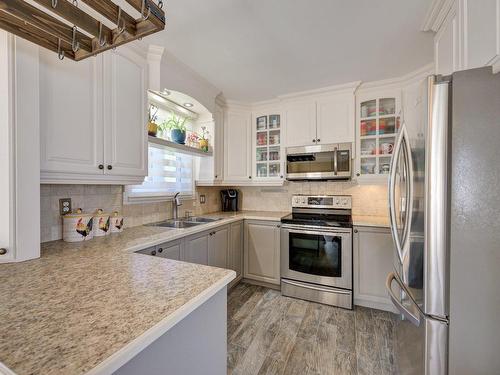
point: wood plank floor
(271, 334)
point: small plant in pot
(177, 126)
(153, 116)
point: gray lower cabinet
(235, 261)
(196, 248)
(170, 250)
(218, 247)
(262, 251)
(373, 257)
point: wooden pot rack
(29, 22)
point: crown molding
(436, 14)
(404, 80)
(155, 53)
(349, 87)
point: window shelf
(179, 148)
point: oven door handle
(305, 229)
(335, 161)
(315, 287)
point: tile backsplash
(110, 198)
(370, 200)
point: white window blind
(169, 172)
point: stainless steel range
(316, 250)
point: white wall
(166, 71)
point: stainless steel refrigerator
(444, 198)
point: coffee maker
(229, 199)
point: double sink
(184, 222)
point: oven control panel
(322, 201)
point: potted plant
(204, 139)
(177, 126)
(153, 115)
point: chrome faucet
(175, 205)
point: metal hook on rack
(142, 10)
(60, 51)
(101, 41)
(122, 28)
(160, 4)
(54, 3)
(75, 3)
(75, 45)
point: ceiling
(254, 50)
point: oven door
(316, 255)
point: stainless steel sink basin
(184, 222)
(174, 224)
(196, 219)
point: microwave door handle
(410, 316)
(392, 193)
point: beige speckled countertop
(371, 221)
(82, 303)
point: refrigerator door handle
(410, 316)
(392, 193)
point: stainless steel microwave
(319, 162)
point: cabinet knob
(281, 176)
(250, 177)
(160, 250)
(355, 231)
(3, 251)
(357, 174)
(216, 176)
(314, 141)
(153, 252)
(110, 167)
(101, 166)
(318, 140)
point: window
(168, 172)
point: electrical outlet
(64, 206)
(202, 198)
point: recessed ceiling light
(165, 92)
(189, 105)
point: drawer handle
(3, 251)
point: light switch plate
(64, 206)
(202, 198)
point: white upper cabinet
(335, 119)
(481, 24)
(237, 146)
(218, 143)
(447, 44)
(125, 99)
(378, 120)
(71, 122)
(321, 118)
(267, 140)
(92, 118)
(300, 123)
(19, 150)
(467, 34)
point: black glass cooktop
(320, 220)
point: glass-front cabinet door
(267, 140)
(378, 120)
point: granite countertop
(84, 307)
(371, 221)
(91, 306)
